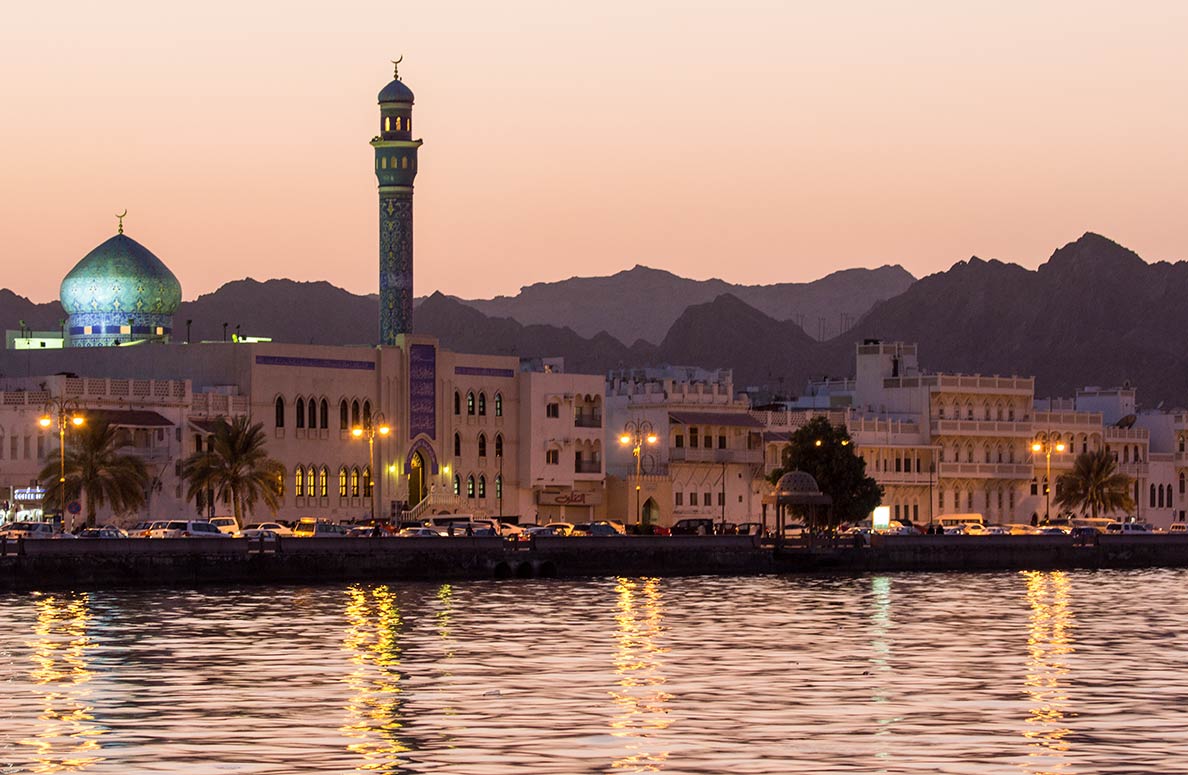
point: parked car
(28, 530)
(308, 527)
(228, 525)
(1052, 531)
(1022, 529)
(418, 532)
(274, 527)
(257, 533)
(555, 529)
(750, 528)
(367, 531)
(607, 528)
(1127, 528)
(180, 528)
(107, 531)
(1085, 533)
(693, 527)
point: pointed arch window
(498, 445)
(366, 414)
(482, 404)
(1152, 496)
(354, 482)
(457, 445)
(498, 404)
(482, 445)
(470, 403)
(457, 402)
(300, 413)
(299, 481)
(342, 482)
(470, 486)
(354, 413)
(344, 415)
(367, 483)
(457, 484)
(482, 486)
(280, 411)
(324, 411)
(323, 482)
(313, 414)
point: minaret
(395, 167)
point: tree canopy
(827, 453)
(97, 471)
(1095, 484)
(235, 467)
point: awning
(206, 426)
(729, 419)
(129, 418)
(777, 435)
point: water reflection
(66, 735)
(374, 709)
(640, 700)
(1045, 683)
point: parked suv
(179, 528)
(693, 527)
(226, 524)
(28, 530)
(308, 527)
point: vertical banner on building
(422, 391)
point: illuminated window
(470, 487)
(160, 331)
(457, 485)
(125, 329)
(498, 404)
(323, 482)
(384, 163)
(470, 403)
(300, 412)
(299, 481)
(482, 445)
(482, 404)
(403, 162)
(342, 482)
(354, 482)
(280, 412)
(366, 482)
(482, 487)
(499, 445)
(388, 124)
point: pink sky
(754, 141)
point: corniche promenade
(50, 564)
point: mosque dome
(119, 289)
(396, 91)
(797, 483)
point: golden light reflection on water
(66, 738)
(374, 708)
(1045, 683)
(641, 704)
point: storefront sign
(28, 493)
(569, 498)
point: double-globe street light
(1046, 447)
(63, 411)
(637, 433)
(377, 426)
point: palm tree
(97, 471)
(1096, 484)
(235, 466)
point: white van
(1127, 528)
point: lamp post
(1045, 446)
(376, 426)
(63, 411)
(637, 433)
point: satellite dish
(1127, 422)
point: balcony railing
(587, 421)
(981, 428)
(987, 470)
(587, 467)
(696, 455)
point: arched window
(344, 415)
(457, 445)
(354, 413)
(280, 412)
(498, 404)
(482, 445)
(482, 404)
(498, 486)
(342, 482)
(1152, 496)
(457, 485)
(324, 410)
(470, 403)
(482, 486)
(470, 486)
(279, 486)
(498, 445)
(324, 482)
(354, 482)
(457, 402)
(313, 414)
(299, 481)
(367, 482)
(366, 414)
(300, 413)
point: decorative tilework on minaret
(395, 168)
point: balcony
(587, 421)
(587, 467)
(998, 428)
(986, 470)
(902, 477)
(719, 456)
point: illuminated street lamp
(63, 411)
(1046, 447)
(637, 433)
(376, 426)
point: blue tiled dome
(396, 91)
(119, 291)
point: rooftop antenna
(121, 217)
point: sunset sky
(758, 142)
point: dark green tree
(235, 467)
(97, 471)
(1095, 484)
(827, 453)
